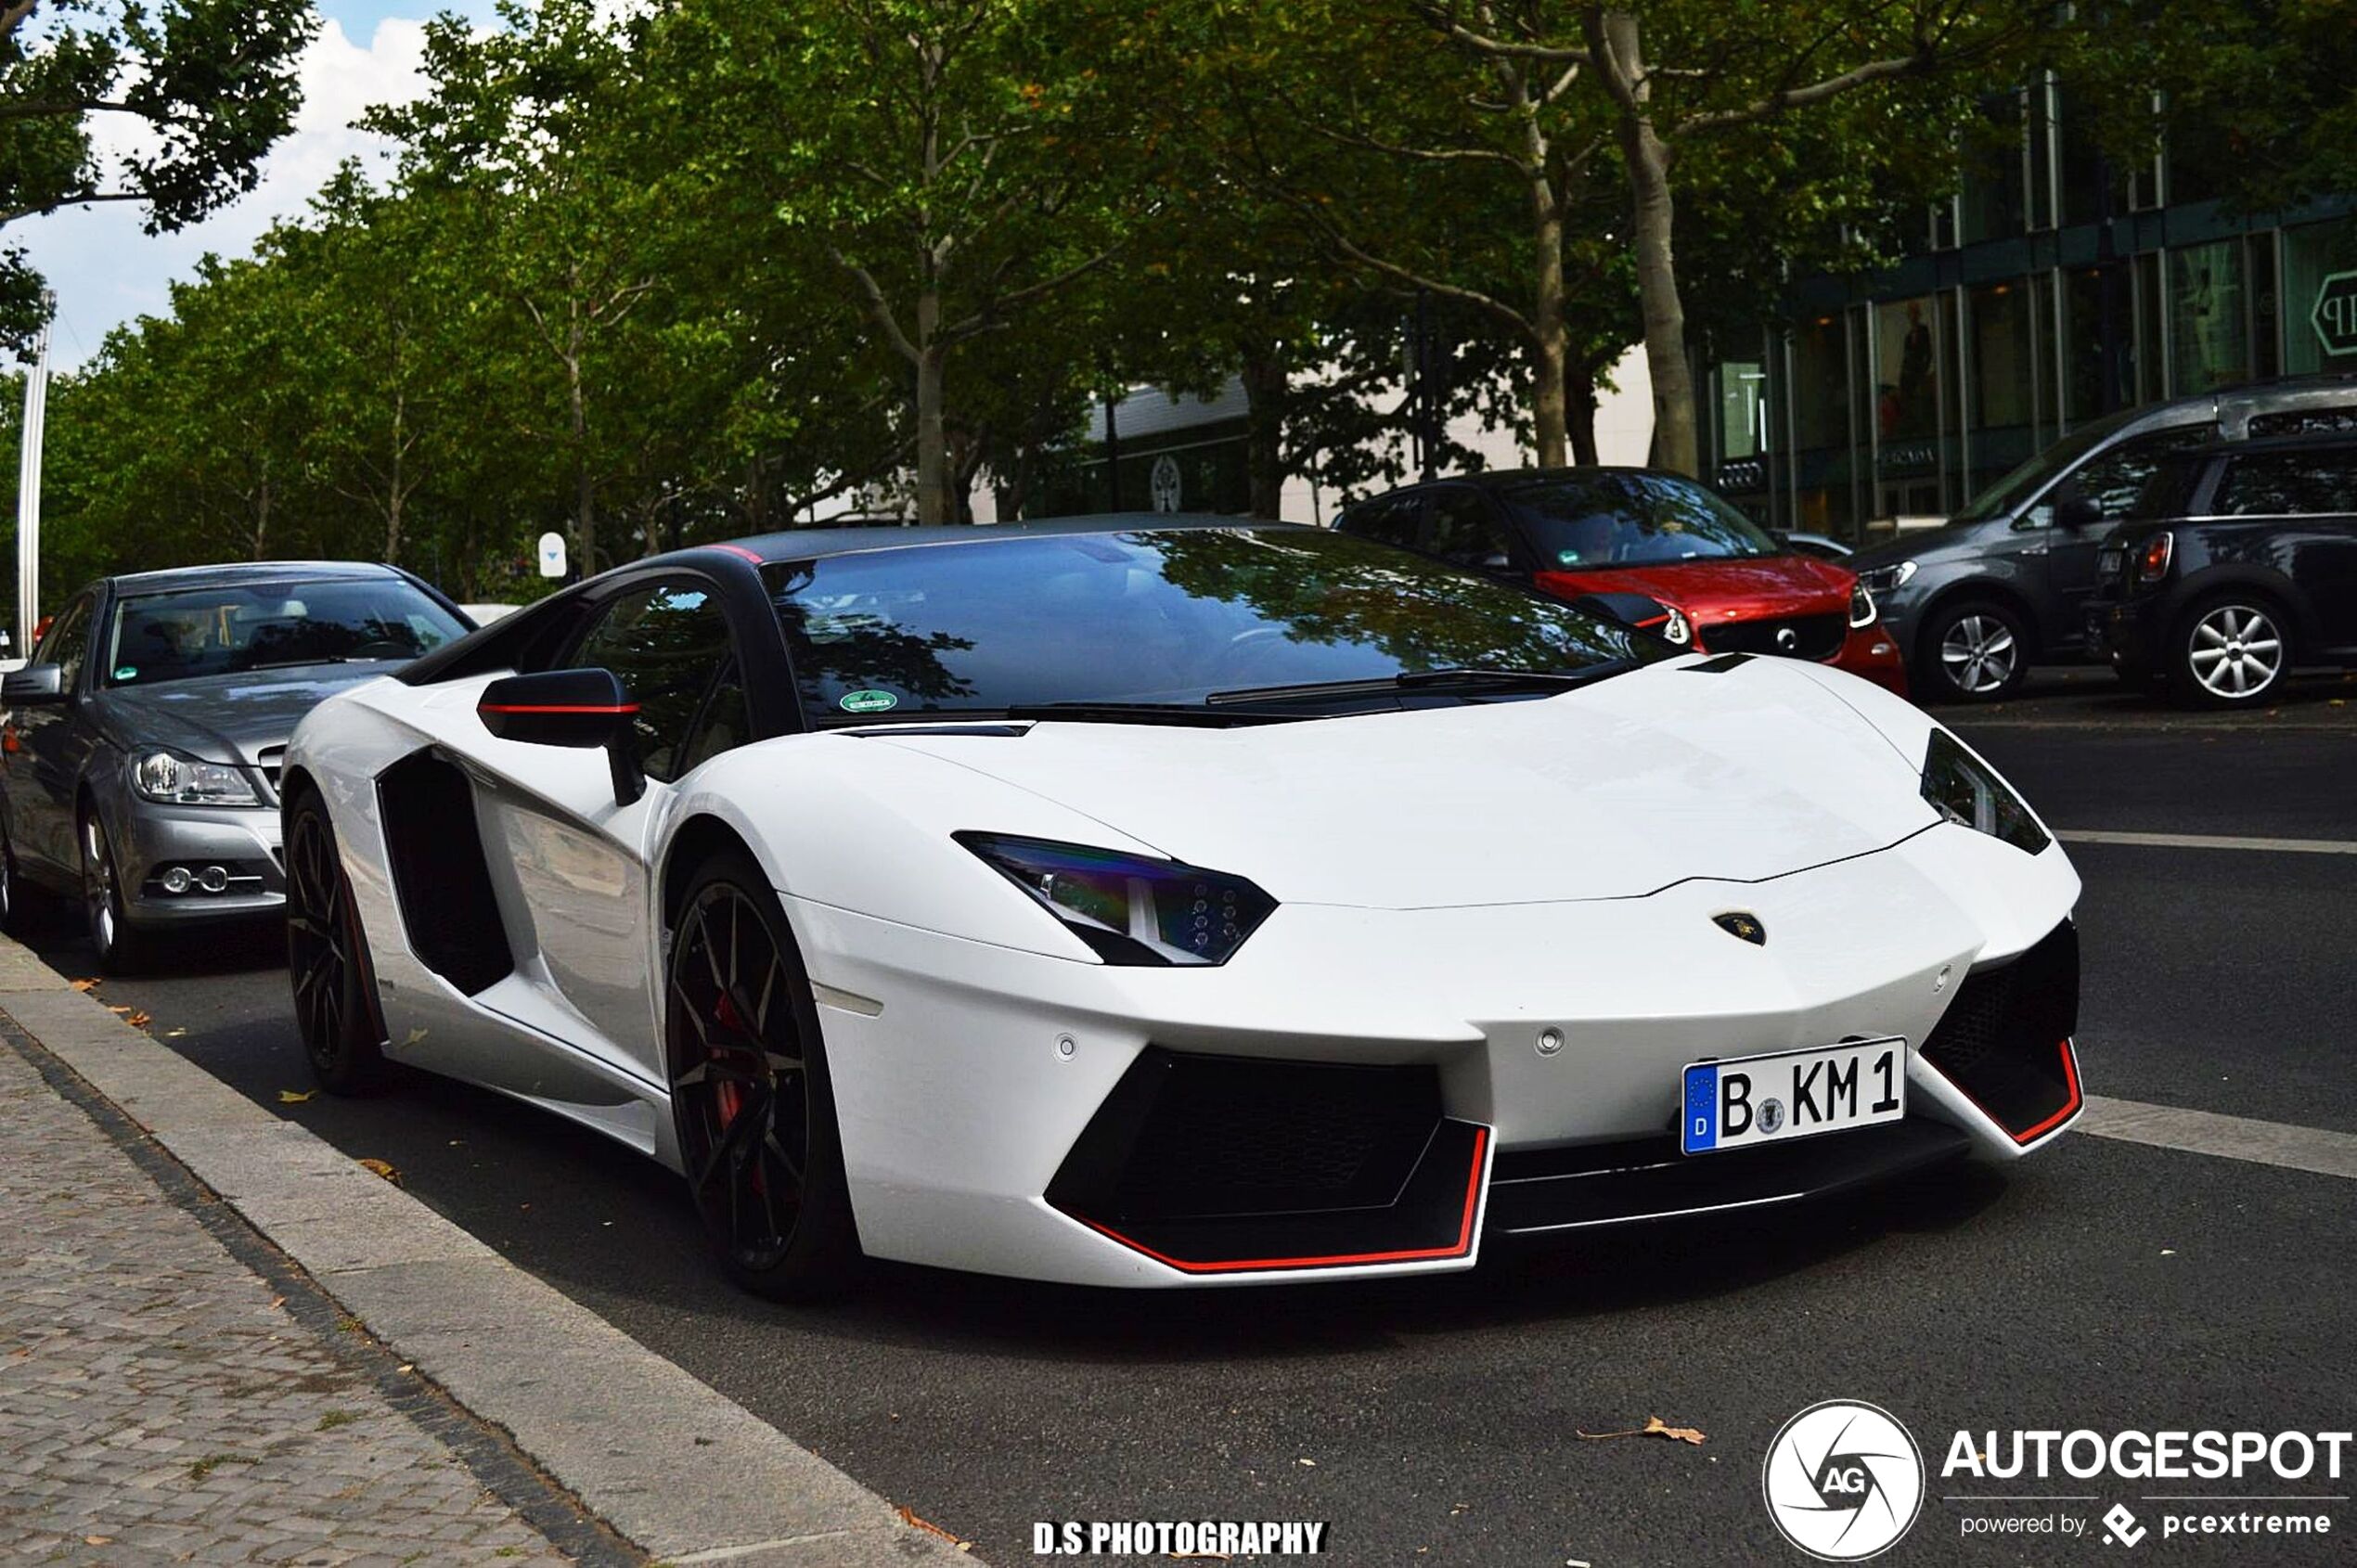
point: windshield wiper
(1475, 677)
(1140, 713)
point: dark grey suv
(2006, 581)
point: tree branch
(995, 312)
(1424, 154)
(878, 306)
(37, 209)
(1801, 97)
(1548, 54)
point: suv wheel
(1976, 651)
(2230, 652)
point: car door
(573, 860)
(2302, 506)
(2056, 540)
(52, 741)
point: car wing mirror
(33, 685)
(2078, 512)
(589, 710)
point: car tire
(751, 1095)
(335, 993)
(120, 947)
(1975, 651)
(2231, 650)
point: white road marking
(2229, 1137)
(2207, 841)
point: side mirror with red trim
(585, 708)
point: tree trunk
(585, 513)
(1653, 219)
(1580, 397)
(1265, 382)
(261, 514)
(1550, 345)
(392, 490)
(934, 502)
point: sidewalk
(161, 1401)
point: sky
(105, 271)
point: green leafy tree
(211, 84)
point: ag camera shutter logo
(1844, 1481)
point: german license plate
(1777, 1097)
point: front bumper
(1872, 653)
(243, 842)
(973, 1082)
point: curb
(619, 1427)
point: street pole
(36, 419)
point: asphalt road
(2107, 1286)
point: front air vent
(439, 877)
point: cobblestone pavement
(159, 1403)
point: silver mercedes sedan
(140, 746)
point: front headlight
(1129, 908)
(1885, 580)
(1961, 788)
(1862, 607)
(172, 779)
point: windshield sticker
(127, 672)
(867, 702)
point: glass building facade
(2054, 289)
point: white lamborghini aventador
(1153, 902)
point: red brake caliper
(729, 1097)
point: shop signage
(2335, 316)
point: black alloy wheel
(750, 1092)
(327, 959)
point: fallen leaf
(85, 985)
(139, 1021)
(97, 1541)
(296, 1096)
(119, 1012)
(909, 1517)
(1654, 1427)
(382, 1169)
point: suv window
(1388, 520)
(669, 643)
(2319, 481)
(2115, 479)
(68, 644)
(1465, 530)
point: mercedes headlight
(1961, 788)
(1862, 607)
(172, 779)
(1885, 580)
(1130, 908)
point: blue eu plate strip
(1698, 1130)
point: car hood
(1915, 546)
(1714, 590)
(225, 719)
(1615, 790)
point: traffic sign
(552, 555)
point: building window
(2001, 350)
(2150, 326)
(2319, 322)
(1821, 391)
(2099, 343)
(2081, 164)
(1743, 409)
(1906, 370)
(2208, 325)
(1994, 200)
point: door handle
(2034, 550)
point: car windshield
(1161, 617)
(260, 626)
(1584, 521)
(2022, 483)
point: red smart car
(1723, 584)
